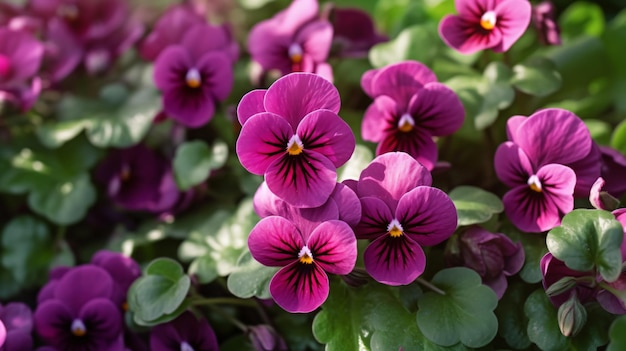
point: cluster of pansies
(188, 177)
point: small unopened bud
(572, 316)
(561, 286)
(265, 338)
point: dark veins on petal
(395, 250)
(292, 167)
(303, 278)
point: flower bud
(572, 316)
(265, 338)
(561, 286)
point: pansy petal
(82, 284)
(394, 261)
(196, 43)
(316, 38)
(348, 204)
(103, 317)
(513, 19)
(297, 14)
(304, 180)
(512, 126)
(325, 71)
(554, 136)
(473, 8)
(269, 48)
(427, 215)
(466, 36)
(391, 175)
(418, 143)
(558, 181)
(366, 82)
(379, 117)
(216, 69)
(275, 241)
(262, 140)
(587, 170)
(375, 218)
(51, 318)
(296, 95)
(325, 132)
(250, 104)
(333, 246)
(438, 109)
(401, 80)
(192, 110)
(170, 66)
(512, 165)
(299, 287)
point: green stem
(223, 301)
(429, 285)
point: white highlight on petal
(184, 346)
(534, 183)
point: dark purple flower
(294, 40)
(292, 134)
(553, 270)
(544, 20)
(139, 179)
(265, 338)
(16, 319)
(185, 333)
(80, 315)
(493, 256)
(124, 271)
(409, 109)
(63, 51)
(613, 171)
(401, 213)
(485, 24)
(611, 297)
(354, 32)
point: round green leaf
(408, 45)
(618, 139)
(64, 202)
(617, 334)
(474, 205)
(194, 161)
(159, 292)
(511, 319)
(581, 18)
(538, 77)
(464, 313)
(250, 278)
(588, 239)
(534, 250)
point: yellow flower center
(406, 123)
(488, 20)
(534, 183)
(305, 256)
(395, 229)
(295, 145)
(78, 328)
(193, 78)
(295, 53)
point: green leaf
(408, 45)
(361, 157)
(543, 326)
(64, 203)
(618, 139)
(250, 278)
(464, 313)
(474, 205)
(159, 292)
(617, 334)
(194, 161)
(581, 18)
(534, 249)
(511, 319)
(587, 240)
(538, 77)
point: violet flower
(20, 58)
(292, 134)
(401, 213)
(553, 270)
(544, 21)
(265, 338)
(185, 333)
(124, 271)
(410, 107)
(549, 160)
(354, 32)
(80, 315)
(306, 249)
(139, 179)
(493, 256)
(294, 40)
(613, 171)
(485, 24)
(16, 324)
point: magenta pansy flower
(354, 32)
(549, 160)
(294, 40)
(401, 213)
(410, 107)
(613, 171)
(292, 134)
(124, 271)
(16, 324)
(485, 24)
(185, 333)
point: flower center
(193, 78)
(305, 256)
(5, 66)
(184, 346)
(406, 123)
(295, 145)
(78, 327)
(395, 229)
(295, 53)
(488, 20)
(534, 183)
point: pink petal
(466, 36)
(437, 109)
(513, 19)
(333, 245)
(380, 116)
(418, 143)
(262, 140)
(275, 241)
(316, 38)
(325, 132)
(250, 104)
(401, 80)
(269, 48)
(169, 66)
(348, 204)
(193, 109)
(512, 126)
(366, 82)
(394, 261)
(512, 165)
(427, 215)
(300, 288)
(375, 218)
(218, 73)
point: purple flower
(292, 134)
(294, 40)
(265, 338)
(401, 213)
(195, 75)
(544, 20)
(354, 32)
(20, 59)
(185, 333)
(79, 314)
(305, 249)
(139, 179)
(613, 171)
(485, 24)
(553, 270)
(549, 160)
(124, 271)
(16, 324)
(492, 255)
(409, 108)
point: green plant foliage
(512, 322)
(534, 249)
(250, 278)
(408, 45)
(361, 157)
(587, 240)
(537, 77)
(617, 334)
(474, 205)
(464, 313)
(194, 161)
(582, 18)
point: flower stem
(429, 285)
